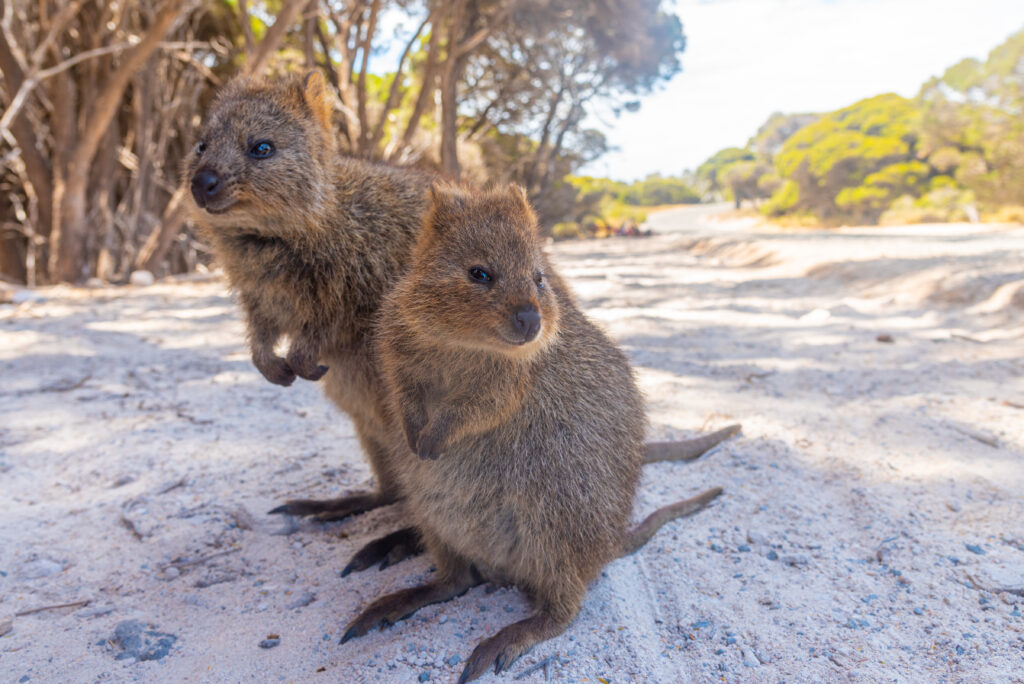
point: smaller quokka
(524, 427)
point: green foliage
(655, 190)
(708, 173)
(953, 152)
(604, 205)
(774, 132)
(831, 158)
(785, 199)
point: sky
(745, 59)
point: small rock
(743, 547)
(132, 639)
(270, 643)
(301, 600)
(755, 537)
(953, 506)
(243, 518)
(172, 573)
(1007, 578)
(41, 567)
(974, 548)
(884, 337)
(453, 661)
(424, 676)
(141, 278)
(122, 481)
(796, 560)
(771, 555)
(918, 610)
(94, 611)
(6, 624)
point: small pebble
(771, 555)
(172, 573)
(918, 611)
(755, 537)
(141, 278)
(453, 660)
(6, 624)
(301, 600)
(424, 676)
(796, 561)
(743, 547)
(41, 567)
(974, 548)
(270, 643)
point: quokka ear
(447, 201)
(318, 97)
(521, 198)
(519, 192)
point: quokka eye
(200, 148)
(540, 281)
(480, 275)
(262, 150)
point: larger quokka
(311, 242)
(523, 425)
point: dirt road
(872, 527)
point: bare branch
(396, 84)
(246, 21)
(275, 34)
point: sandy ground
(872, 527)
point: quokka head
(478, 275)
(263, 151)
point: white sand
(134, 433)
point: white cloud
(745, 59)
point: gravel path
(872, 527)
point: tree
(708, 173)
(838, 152)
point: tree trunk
(37, 168)
(70, 229)
(154, 251)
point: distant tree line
(603, 205)
(101, 100)
(955, 152)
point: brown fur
(310, 242)
(520, 460)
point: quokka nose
(205, 186)
(527, 320)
